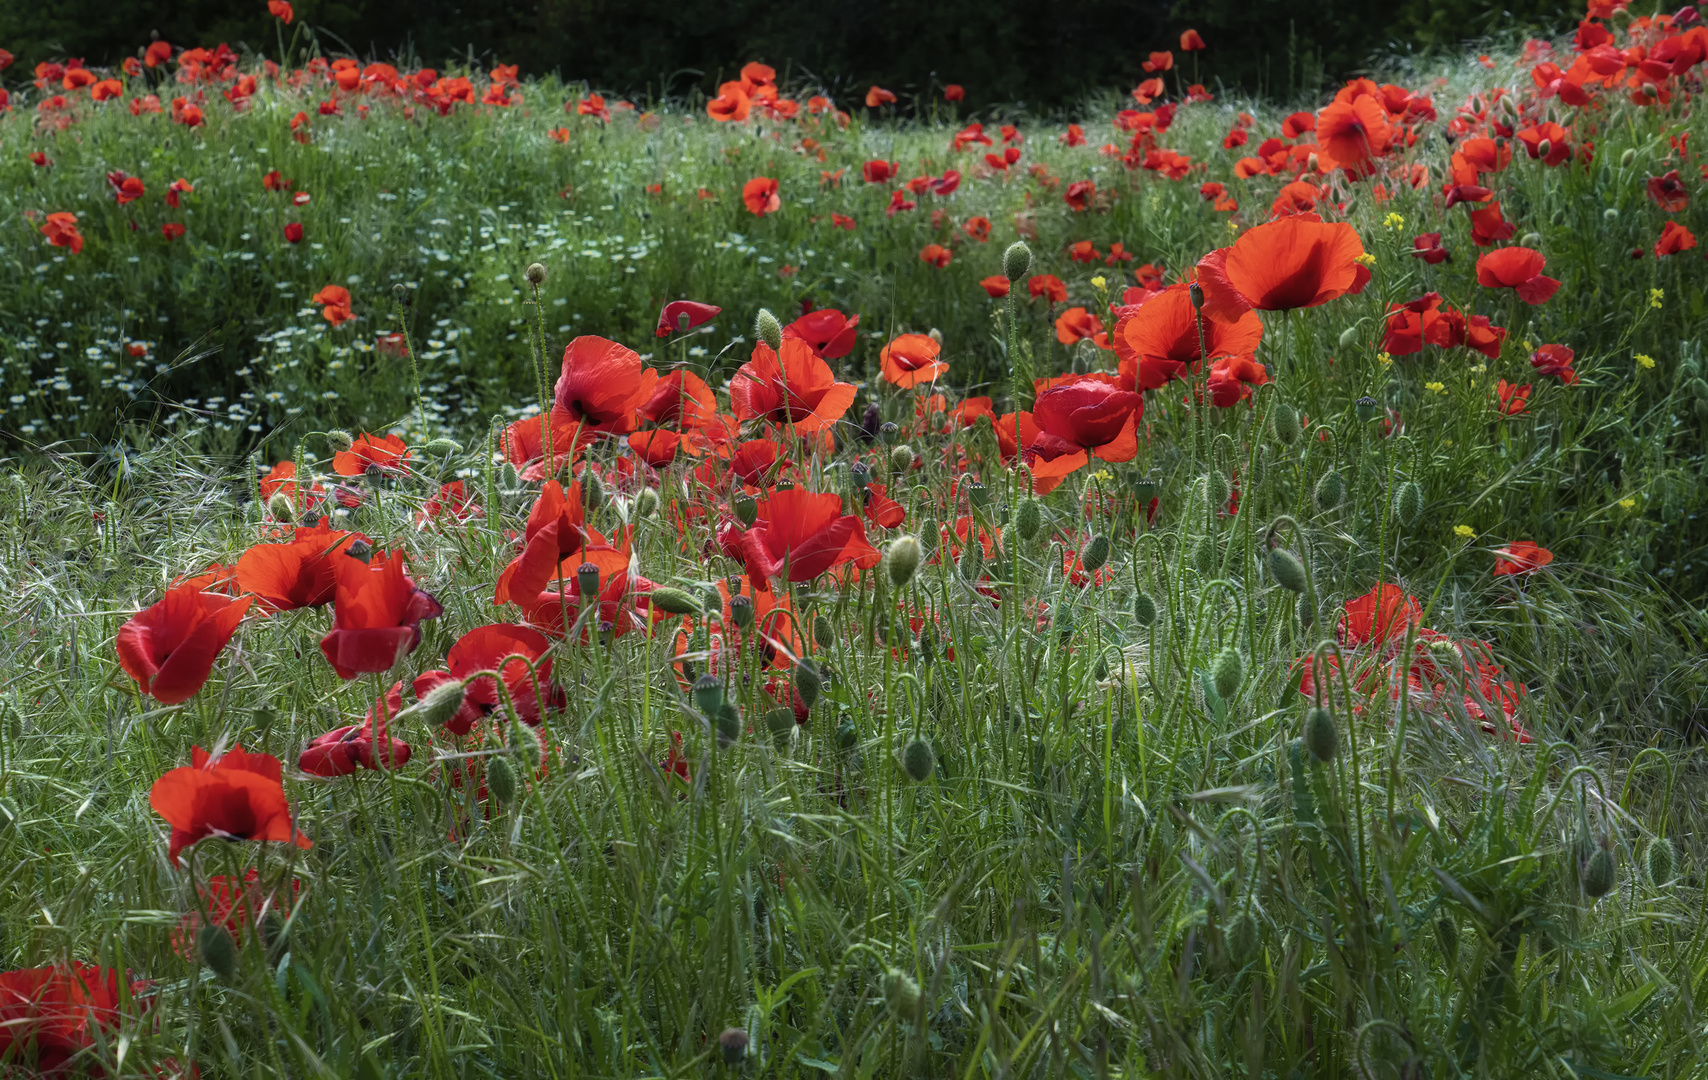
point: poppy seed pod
(217, 950)
(887, 432)
(977, 494)
(1287, 570)
(1599, 874)
(822, 634)
(1366, 408)
(1329, 490)
(733, 1045)
(918, 760)
(1408, 502)
(339, 439)
(442, 702)
(1229, 672)
(535, 273)
(1029, 519)
(1146, 488)
(1284, 421)
(1196, 292)
(1627, 158)
(1349, 337)
(708, 694)
(741, 611)
(1322, 738)
(746, 509)
(360, 550)
(861, 474)
(728, 723)
(767, 329)
(1660, 861)
(1095, 554)
(901, 995)
(587, 580)
(901, 458)
(903, 560)
(807, 684)
(501, 779)
(1016, 261)
(972, 559)
(674, 601)
(1144, 609)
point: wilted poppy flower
(996, 285)
(1510, 399)
(50, 1015)
(828, 332)
(170, 648)
(1191, 41)
(1159, 339)
(236, 796)
(795, 388)
(335, 304)
(1379, 618)
(1518, 269)
(1669, 192)
(61, 231)
(682, 315)
(602, 383)
(936, 254)
(377, 614)
(1428, 248)
(368, 745)
(878, 96)
(911, 359)
(1674, 238)
(1521, 557)
(1048, 286)
(760, 196)
(1554, 360)
(1294, 262)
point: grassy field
(1067, 710)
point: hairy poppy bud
(1229, 672)
(1349, 337)
(929, 534)
(587, 580)
(901, 458)
(1243, 936)
(972, 556)
(1544, 148)
(741, 611)
(442, 448)
(1205, 558)
(1315, 165)
(1144, 609)
(822, 634)
(1217, 491)
(733, 1044)
(279, 507)
(767, 329)
(359, 549)
(1610, 214)
(708, 694)
(217, 950)
(1329, 490)
(339, 439)
(1661, 862)
(508, 478)
(780, 722)
(901, 995)
(1287, 570)
(1095, 554)
(1064, 620)
(674, 601)
(847, 735)
(1530, 239)
(935, 335)
(1029, 518)
(1408, 502)
(646, 503)
(1627, 158)
(1599, 874)
(1447, 936)
(501, 779)
(442, 702)
(728, 723)
(1322, 738)
(746, 510)
(400, 293)
(1366, 408)
(887, 432)
(903, 560)
(1196, 292)
(1284, 421)
(807, 683)
(1016, 260)
(535, 273)
(918, 760)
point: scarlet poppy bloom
(954, 92)
(1048, 286)
(682, 399)
(555, 530)
(684, 315)
(1554, 360)
(1297, 261)
(878, 172)
(293, 232)
(760, 196)
(1297, 124)
(1298, 197)
(1080, 194)
(1379, 618)
(176, 188)
(1191, 41)
(996, 285)
(936, 254)
(297, 574)
(61, 231)
(804, 534)
(1076, 324)
(899, 203)
(281, 10)
(49, 1015)
(1159, 339)
(1350, 133)
(1148, 91)
(236, 796)
(731, 104)
(1519, 269)
(614, 604)
(366, 452)
(1428, 248)
(237, 904)
(795, 388)
(1521, 557)
(602, 384)
(450, 501)
(1674, 238)
(657, 448)
(828, 332)
(878, 96)
(508, 649)
(1489, 226)
(1668, 192)
(335, 304)
(170, 648)
(171, 230)
(753, 461)
(1550, 135)
(282, 478)
(1511, 398)
(368, 745)
(1467, 193)
(1085, 411)
(593, 105)
(841, 221)
(1474, 333)
(377, 614)
(911, 359)
(1232, 379)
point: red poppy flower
(555, 531)
(1467, 193)
(1080, 194)
(377, 614)
(171, 230)
(795, 387)
(602, 384)
(911, 359)
(450, 501)
(683, 315)
(1297, 124)
(237, 904)
(293, 232)
(61, 231)
(1350, 133)
(282, 479)
(170, 648)
(804, 534)
(878, 96)
(367, 745)
(1551, 135)
(1191, 41)
(335, 304)
(682, 399)
(236, 796)
(387, 454)
(881, 510)
(524, 442)
(753, 461)
(1148, 91)
(281, 10)
(1294, 262)
(1669, 192)
(760, 196)
(1379, 618)
(996, 285)
(1048, 286)
(842, 221)
(617, 597)
(879, 172)
(1159, 61)
(954, 92)
(936, 254)
(1518, 269)
(1474, 333)
(1077, 324)
(1085, 411)
(1521, 557)
(49, 1015)
(1232, 379)
(731, 104)
(1511, 398)
(1554, 360)
(1428, 248)
(1674, 238)
(828, 332)
(657, 448)
(508, 649)
(299, 574)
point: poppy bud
(535, 273)
(359, 549)
(708, 694)
(273, 930)
(508, 478)
(767, 329)
(1095, 554)
(1205, 558)
(901, 458)
(400, 293)
(592, 491)
(501, 779)
(1349, 337)
(1661, 862)
(1064, 620)
(1243, 936)
(746, 509)
(1322, 738)
(822, 634)
(1408, 502)
(903, 560)
(733, 1044)
(279, 507)
(674, 601)
(646, 503)
(1312, 161)
(443, 448)
(869, 422)
(918, 760)
(442, 702)
(1144, 609)
(808, 684)
(1287, 570)
(780, 722)
(935, 335)
(1229, 672)
(1284, 421)
(1610, 214)
(1329, 490)
(217, 950)
(1029, 518)
(927, 644)
(847, 735)
(1447, 936)
(741, 611)
(887, 432)
(972, 557)
(1530, 239)
(1366, 408)
(587, 580)
(929, 534)
(901, 995)
(339, 439)
(1217, 491)
(1196, 292)
(1016, 261)
(1599, 874)
(1627, 158)
(729, 724)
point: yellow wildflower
(1627, 504)
(1464, 532)
(1098, 282)
(1384, 359)
(1366, 258)
(1656, 296)
(1645, 361)
(1435, 387)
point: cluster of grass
(1031, 826)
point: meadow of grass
(1280, 775)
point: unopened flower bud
(508, 478)
(442, 448)
(1610, 214)
(807, 683)
(1661, 861)
(1627, 158)
(728, 723)
(339, 439)
(901, 458)
(902, 560)
(217, 950)
(1288, 571)
(501, 779)
(1229, 672)
(646, 503)
(1322, 738)
(1206, 559)
(780, 722)
(733, 1044)
(400, 293)
(535, 273)
(1329, 490)
(1217, 491)
(746, 509)
(767, 329)
(280, 508)
(1029, 519)
(1284, 421)
(1095, 555)
(972, 557)
(1144, 609)
(822, 633)
(1408, 502)
(1312, 162)
(442, 702)
(1544, 148)
(1016, 260)
(1600, 874)
(674, 601)
(1349, 337)
(1530, 239)
(918, 760)
(901, 995)
(935, 335)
